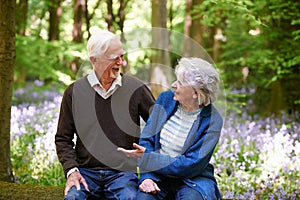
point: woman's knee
(146, 196)
(188, 193)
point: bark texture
(7, 62)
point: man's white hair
(201, 75)
(99, 42)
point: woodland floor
(13, 191)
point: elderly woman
(180, 136)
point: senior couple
(103, 111)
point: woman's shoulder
(166, 96)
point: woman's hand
(138, 152)
(149, 186)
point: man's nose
(120, 60)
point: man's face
(109, 65)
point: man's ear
(92, 59)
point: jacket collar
(206, 111)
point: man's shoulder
(70, 87)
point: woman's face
(185, 95)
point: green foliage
(33, 154)
(46, 61)
(32, 165)
(261, 36)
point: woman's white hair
(99, 42)
(201, 75)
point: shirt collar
(93, 80)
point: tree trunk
(79, 9)
(21, 16)
(217, 44)
(55, 11)
(87, 18)
(79, 13)
(7, 63)
(277, 101)
(122, 15)
(90, 15)
(160, 39)
(110, 18)
(197, 29)
(116, 18)
(193, 30)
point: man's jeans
(111, 184)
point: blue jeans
(171, 189)
(110, 184)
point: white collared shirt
(95, 83)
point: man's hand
(75, 179)
(138, 152)
(149, 186)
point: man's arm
(65, 146)
(65, 133)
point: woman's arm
(194, 160)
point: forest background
(253, 43)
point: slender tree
(55, 11)
(115, 21)
(89, 14)
(79, 13)
(193, 28)
(110, 17)
(160, 39)
(7, 62)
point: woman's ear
(195, 94)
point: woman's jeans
(172, 189)
(110, 184)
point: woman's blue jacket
(192, 166)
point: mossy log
(15, 191)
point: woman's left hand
(138, 152)
(149, 186)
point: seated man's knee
(74, 194)
(128, 194)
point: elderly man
(103, 110)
